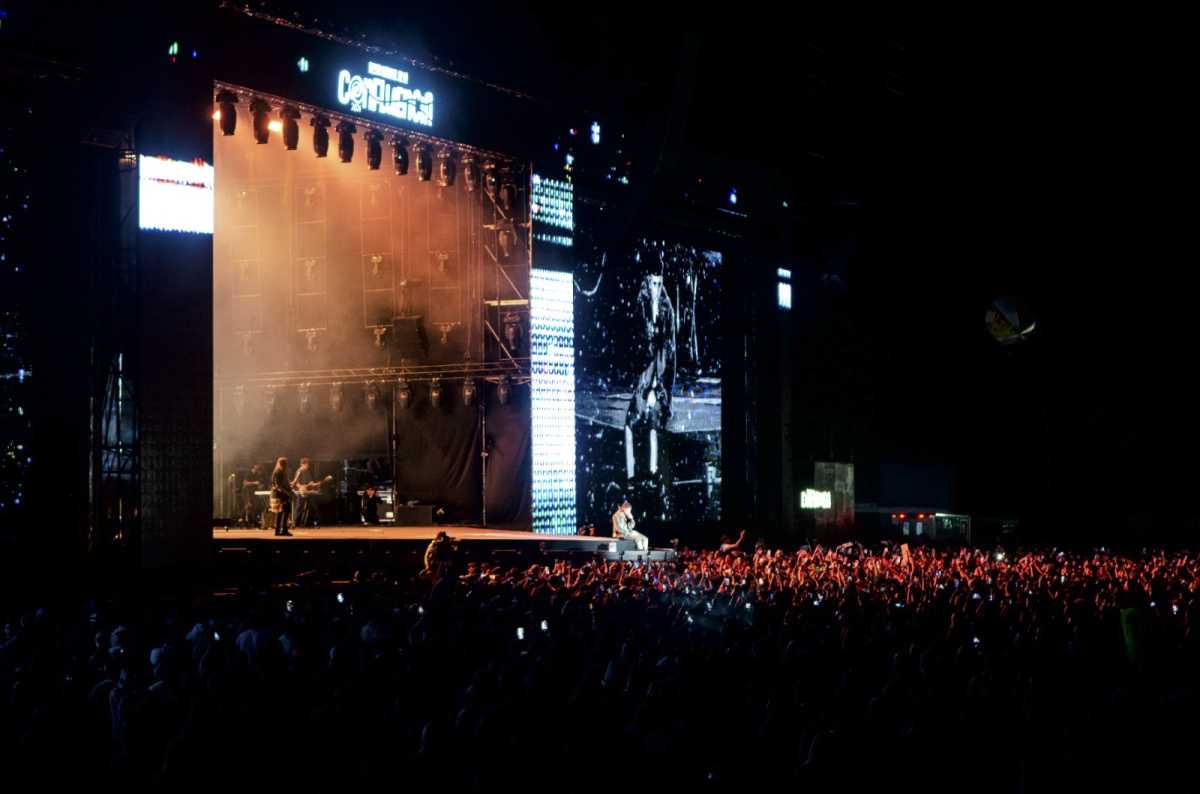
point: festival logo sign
(385, 91)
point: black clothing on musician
(305, 513)
(370, 507)
(281, 489)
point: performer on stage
(623, 526)
(370, 506)
(281, 496)
(302, 484)
(252, 509)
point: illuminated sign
(811, 499)
(385, 91)
(174, 195)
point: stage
(474, 541)
(427, 533)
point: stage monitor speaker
(408, 337)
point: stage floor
(359, 532)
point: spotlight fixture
(239, 400)
(372, 393)
(505, 240)
(490, 183)
(512, 332)
(345, 131)
(226, 114)
(508, 193)
(502, 390)
(271, 399)
(400, 154)
(469, 391)
(403, 393)
(435, 393)
(374, 140)
(260, 112)
(320, 125)
(337, 397)
(424, 162)
(470, 174)
(291, 127)
(446, 168)
(304, 394)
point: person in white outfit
(623, 527)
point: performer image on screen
(281, 497)
(623, 526)
(650, 404)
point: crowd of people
(847, 667)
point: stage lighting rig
(226, 114)
(503, 390)
(446, 168)
(400, 154)
(260, 111)
(435, 393)
(345, 131)
(337, 397)
(291, 127)
(403, 393)
(320, 125)
(374, 140)
(372, 394)
(424, 162)
(468, 392)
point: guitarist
(305, 489)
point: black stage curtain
(510, 464)
(437, 453)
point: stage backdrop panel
(331, 280)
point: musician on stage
(623, 527)
(281, 496)
(253, 481)
(370, 506)
(302, 485)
